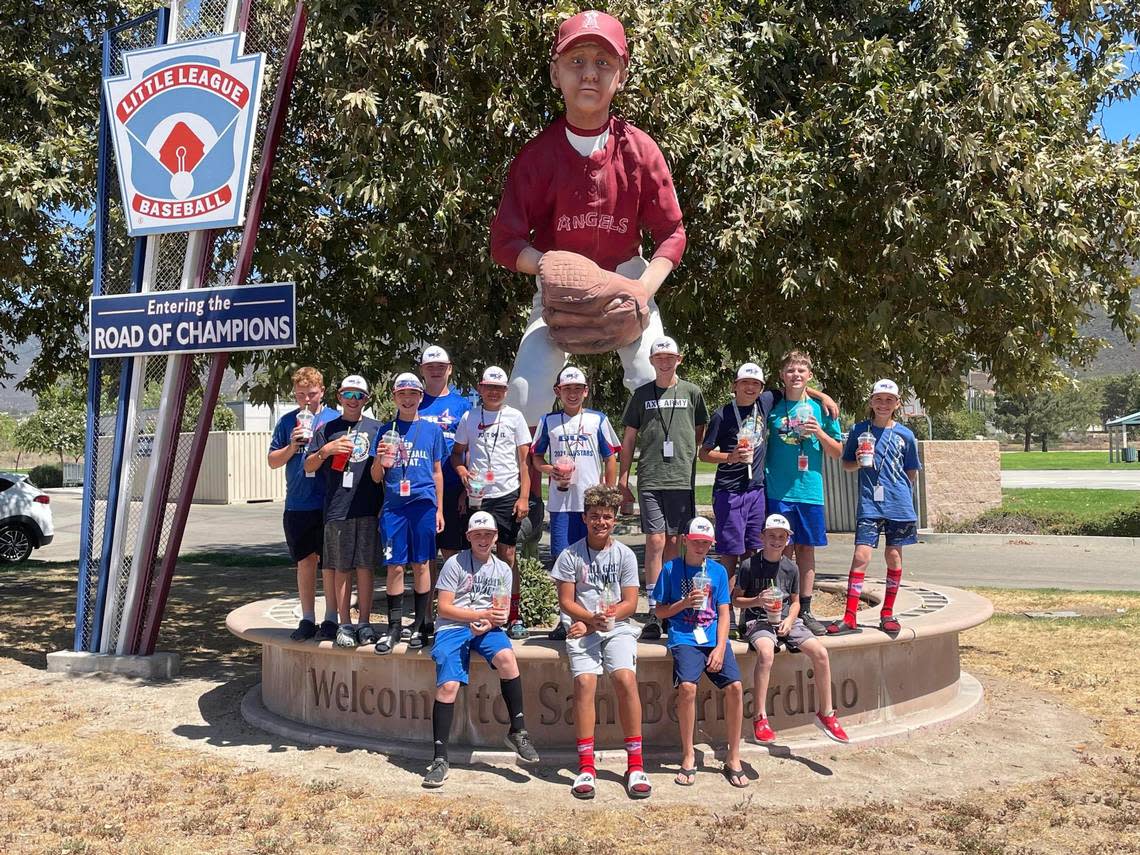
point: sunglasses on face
(353, 396)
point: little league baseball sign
(182, 121)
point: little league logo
(182, 121)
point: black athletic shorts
(304, 533)
(503, 510)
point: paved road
(1070, 479)
(1015, 562)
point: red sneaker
(763, 731)
(829, 724)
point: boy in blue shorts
(474, 598)
(692, 592)
(412, 514)
(885, 454)
(799, 434)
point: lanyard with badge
(879, 492)
(802, 459)
(570, 438)
(667, 445)
(489, 475)
(740, 426)
(406, 457)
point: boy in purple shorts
(692, 592)
(474, 598)
(735, 442)
(799, 434)
(769, 579)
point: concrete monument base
(881, 687)
(157, 666)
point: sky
(1122, 120)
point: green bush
(998, 521)
(958, 424)
(46, 475)
(538, 601)
(1120, 524)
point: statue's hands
(588, 309)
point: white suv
(25, 518)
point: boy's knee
(734, 690)
(506, 664)
(447, 692)
(687, 692)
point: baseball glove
(588, 309)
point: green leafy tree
(905, 189)
(59, 424)
(1045, 414)
(1119, 394)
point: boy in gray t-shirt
(597, 589)
(474, 590)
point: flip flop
(583, 786)
(890, 626)
(689, 774)
(735, 777)
(838, 627)
(637, 785)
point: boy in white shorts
(597, 589)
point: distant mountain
(1119, 357)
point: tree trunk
(1027, 439)
(1044, 442)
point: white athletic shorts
(608, 651)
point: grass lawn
(1014, 460)
(1085, 504)
(81, 775)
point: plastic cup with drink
(865, 453)
(803, 413)
(745, 441)
(339, 461)
(501, 599)
(772, 599)
(608, 601)
(305, 419)
(702, 582)
(563, 471)
(475, 486)
(392, 441)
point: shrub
(46, 475)
(538, 601)
(957, 424)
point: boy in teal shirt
(800, 433)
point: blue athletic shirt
(446, 411)
(688, 626)
(425, 445)
(896, 453)
(301, 493)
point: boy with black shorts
(303, 519)
(489, 455)
(770, 573)
(665, 420)
(693, 593)
(597, 589)
(408, 459)
(472, 610)
(341, 449)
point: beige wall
(959, 480)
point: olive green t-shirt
(666, 414)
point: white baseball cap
(493, 375)
(354, 381)
(778, 521)
(888, 387)
(750, 371)
(571, 376)
(482, 521)
(435, 353)
(700, 529)
(407, 380)
(664, 345)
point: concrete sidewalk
(960, 560)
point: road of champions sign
(182, 121)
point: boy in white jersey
(597, 588)
(491, 446)
(472, 589)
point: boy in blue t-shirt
(692, 593)
(799, 435)
(887, 463)
(412, 514)
(304, 520)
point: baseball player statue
(576, 201)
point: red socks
(634, 763)
(893, 578)
(514, 614)
(586, 757)
(854, 589)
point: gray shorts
(352, 543)
(667, 511)
(756, 629)
(610, 651)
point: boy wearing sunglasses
(342, 450)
